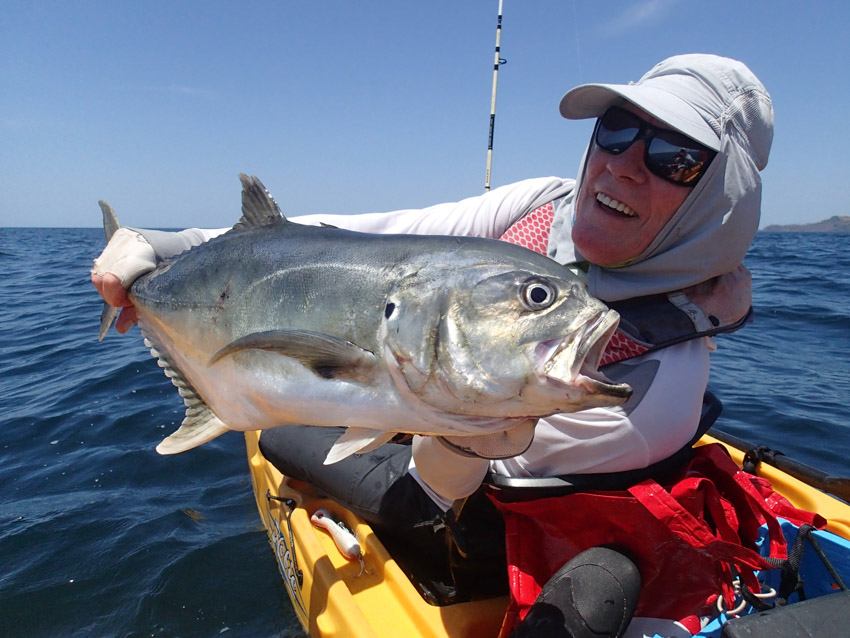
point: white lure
(345, 541)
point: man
(658, 238)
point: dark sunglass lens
(676, 158)
(617, 130)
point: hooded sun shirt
(720, 103)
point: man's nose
(629, 164)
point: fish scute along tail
(200, 423)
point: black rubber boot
(594, 595)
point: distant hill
(834, 224)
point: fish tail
(110, 225)
(110, 220)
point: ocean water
(100, 536)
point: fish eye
(537, 294)
(388, 310)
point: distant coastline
(835, 224)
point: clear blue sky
(346, 107)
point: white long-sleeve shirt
(668, 384)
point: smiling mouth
(613, 204)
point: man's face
(609, 237)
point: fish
(278, 323)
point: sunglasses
(668, 154)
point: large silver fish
(278, 323)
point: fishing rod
(496, 64)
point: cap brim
(592, 100)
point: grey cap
(693, 94)
(720, 103)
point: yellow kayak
(335, 596)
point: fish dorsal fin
(327, 356)
(258, 206)
(356, 441)
(200, 423)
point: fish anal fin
(327, 356)
(194, 431)
(357, 441)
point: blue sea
(100, 536)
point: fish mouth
(574, 360)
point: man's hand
(126, 257)
(113, 293)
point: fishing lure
(345, 541)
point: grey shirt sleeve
(168, 243)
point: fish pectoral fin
(327, 356)
(357, 441)
(194, 431)
(498, 445)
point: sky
(351, 107)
